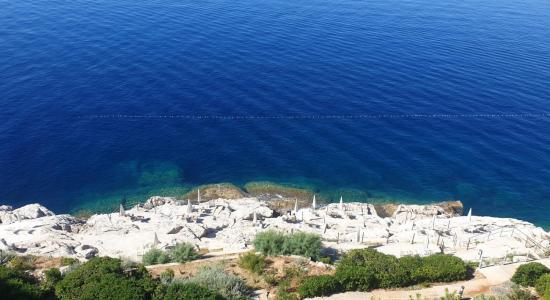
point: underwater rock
(215, 191)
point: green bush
(183, 252)
(326, 260)
(323, 285)
(104, 278)
(17, 285)
(67, 261)
(155, 256)
(276, 243)
(218, 280)
(188, 290)
(283, 291)
(542, 285)
(366, 269)
(356, 279)
(167, 276)
(527, 274)
(252, 262)
(388, 272)
(23, 263)
(51, 278)
(269, 242)
(442, 268)
(6, 256)
(519, 293)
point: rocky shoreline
(229, 225)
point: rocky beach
(222, 226)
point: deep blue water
(65, 64)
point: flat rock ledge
(230, 226)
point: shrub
(484, 297)
(67, 261)
(304, 244)
(519, 293)
(450, 295)
(527, 274)
(252, 262)
(23, 263)
(283, 293)
(357, 267)
(51, 278)
(276, 243)
(16, 284)
(442, 268)
(5, 256)
(183, 252)
(326, 260)
(356, 279)
(323, 285)
(270, 279)
(167, 276)
(542, 286)
(155, 256)
(269, 242)
(189, 290)
(218, 280)
(104, 278)
(386, 268)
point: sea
(409, 101)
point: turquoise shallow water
(407, 100)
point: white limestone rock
(157, 201)
(31, 211)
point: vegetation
(218, 280)
(518, 293)
(188, 290)
(155, 256)
(5, 256)
(16, 284)
(326, 260)
(104, 278)
(23, 262)
(252, 262)
(367, 269)
(542, 286)
(167, 276)
(323, 285)
(182, 252)
(68, 261)
(527, 274)
(51, 278)
(277, 243)
(356, 279)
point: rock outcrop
(31, 211)
(230, 225)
